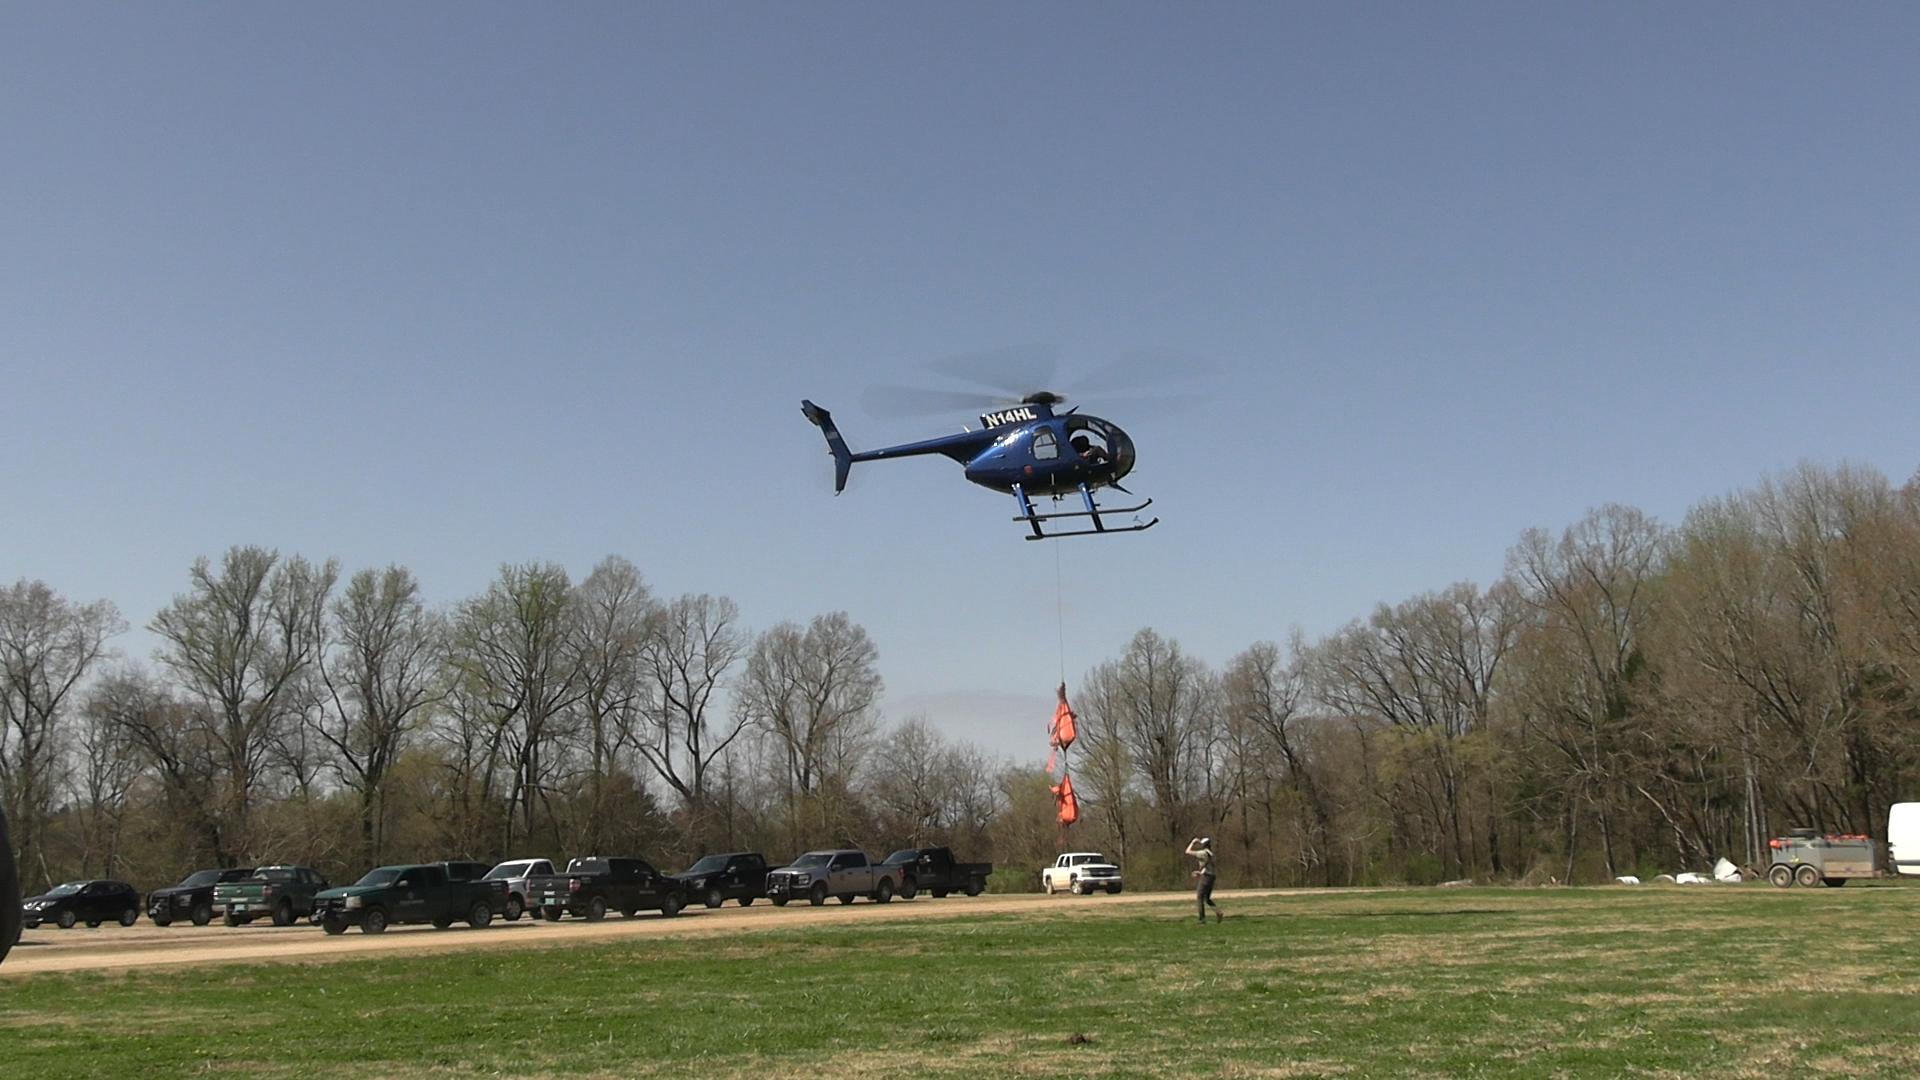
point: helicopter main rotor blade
(1018, 370)
(1145, 369)
(885, 402)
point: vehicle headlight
(803, 879)
(352, 902)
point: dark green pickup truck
(419, 893)
(282, 893)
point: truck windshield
(382, 875)
(814, 858)
(508, 870)
(905, 855)
(712, 864)
(202, 878)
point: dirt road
(48, 948)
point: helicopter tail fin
(842, 457)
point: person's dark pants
(1204, 896)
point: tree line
(1628, 697)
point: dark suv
(192, 898)
(90, 902)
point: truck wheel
(777, 901)
(1047, 884)
(939, 894)
(441, 924)
(714, 898)
(1831, 883)
(884, 893)
(909, 888)
(845, 898)
(161, 920)
(1113, 890)
(202, 914)
(93, 924)
(817, 896)
(596, 909)
(1807, 876)
(746, 901)
(1076, 888)
(514, 909)
(479, 916)
(671, 906)
(230, 919)
(283, 913)
(551, 914)
(129, 917)
(1781, 876)
(374, 921)
(334, 927)
(975, 886)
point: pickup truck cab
(845, 873)
(282, 893)
(933, 870)
(516, 876)
(592, 887)
(417, 893)
(716, 879)
(1081, 873)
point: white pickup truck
(515, 874)
(1081, 873)
(819, 874)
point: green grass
(1724, 981)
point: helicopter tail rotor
(842, 457)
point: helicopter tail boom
(842, 457)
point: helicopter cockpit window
(1090, 440)
(1045, 446)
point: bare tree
(380, 673)
(1267, 695)
(813, 692)
(695, 641)
(244, 642)
(176, 744)
(47, 647)
(1163, 705)
(615, 613)
(514, 650)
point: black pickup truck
(716, 879)
(192, 898)
(933, 870)
(418, 893)
(594, 886)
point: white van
(1903, 839)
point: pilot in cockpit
(1086, 448)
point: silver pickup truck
(820, 874)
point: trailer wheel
(1781, 876)
(1833, 882)
(1808, 875)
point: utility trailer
(1806, 858)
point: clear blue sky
(454, 285)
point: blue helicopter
(1026, 450)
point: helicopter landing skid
(1093, 513)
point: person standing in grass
(1202, 848)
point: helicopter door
(1089, 439)
(1045, 446)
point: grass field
(1723, 981)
